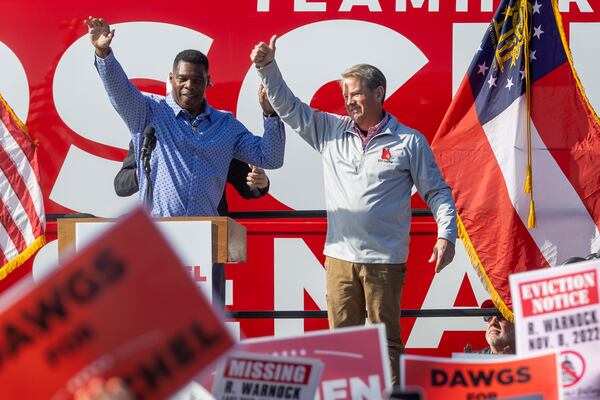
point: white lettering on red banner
(405, 5)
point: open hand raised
(100, 35)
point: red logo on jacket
(385, 154)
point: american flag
(22, 215)
(520, 148)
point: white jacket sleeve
(314, 126)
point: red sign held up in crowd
(355, 359)
(444, 378)
(557, 309)
(122, 307)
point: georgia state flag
(520, 147)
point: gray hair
(368, 74)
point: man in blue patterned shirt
(194, 142)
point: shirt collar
(177, 110)
(375, 129)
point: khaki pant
(352, 288)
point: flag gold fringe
(485, 280)
(21, 258)
(18, 121)
(39, 242)
(531, 222)
(12, 114)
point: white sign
(191, 240)
(558, 308)
(261, 376)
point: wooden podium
(228, 237)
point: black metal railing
(301, 314)
(416, 212)
(409, 313)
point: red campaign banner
(122, 307)
(560, 293)
(423, 46)
(445, 378)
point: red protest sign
(558, 308)
(123, 307)
(445, 378)
(355, 359)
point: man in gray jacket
(370, 163)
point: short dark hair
(191, 56)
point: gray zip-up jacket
(368, 191)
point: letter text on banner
(502, 377)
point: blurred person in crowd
(573, 260)
(100, 389)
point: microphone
(148, 144)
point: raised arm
(314, 126)
(265, 152)
(100, 34)
(128, 101)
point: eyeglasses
(499, 318)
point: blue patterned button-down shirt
(190, 162)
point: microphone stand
(149, 143)
(146, 168)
